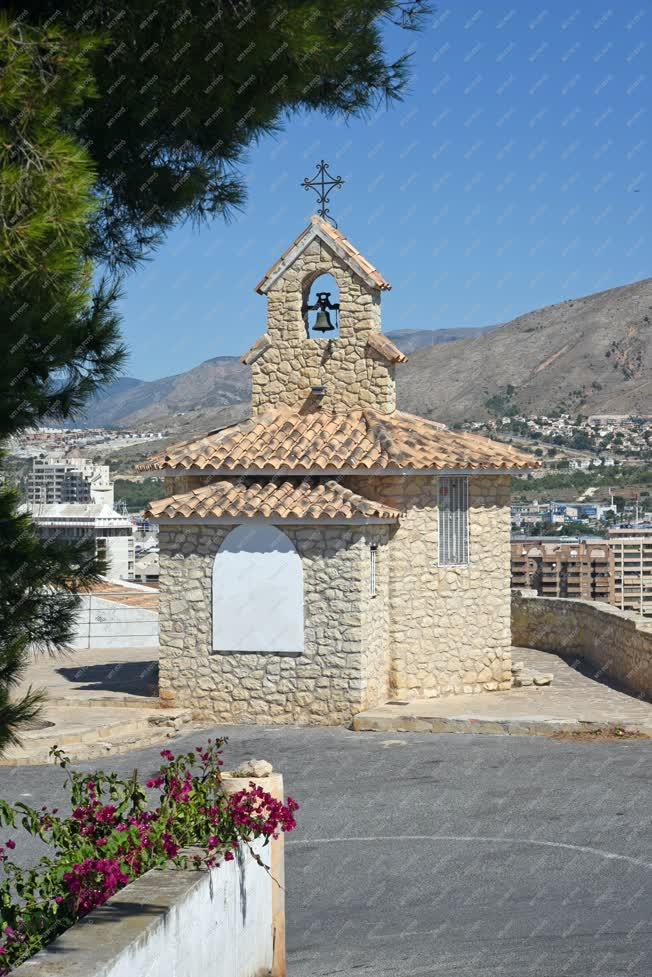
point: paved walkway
(102, 702)
(573, 698)
(117, 675)
(99, 703)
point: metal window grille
(454, 520)
(373, 555)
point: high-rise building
(68, 480)
(632, 559)
(112, 532)
(579, 569)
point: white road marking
(489, 840)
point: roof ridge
(345, 250)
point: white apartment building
(113, 532)
(632, 554)
(68, 480)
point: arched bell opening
(321, 307)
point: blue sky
(513, 175)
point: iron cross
(322, 184)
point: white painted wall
(173, 923)
(107, 624)
(119, 557)
(257, 592)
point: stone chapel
(331, 552)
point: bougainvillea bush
(114, 834)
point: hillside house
(331, 552)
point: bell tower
(310, 364)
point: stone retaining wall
(617, 643)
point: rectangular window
(453, 520)
(373, 555)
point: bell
(323, 322)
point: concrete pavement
(426, 855)
(575, 701)
(99, 703)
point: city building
(331, 552)
(558, 513)
(64, 480)
(112, 532)
(632, 559)
(146, 568)
(581, 569)
(616, 570)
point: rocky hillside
(592, 354)
(216, 383)
(586, 355)
(128, 402)
(410, 340)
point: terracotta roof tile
(257, 350)
(305, 499)
(337, 236)
(341, 244)
(283, 439)
(381, 344)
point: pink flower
(11, 844)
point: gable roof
(286, 440)
(337, 242)
(299, 499)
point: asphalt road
(421, 855)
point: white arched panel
(257, 592)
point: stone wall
(449, 627)
(376, 660)
(616, 643)
(353, 375)
(341, 669)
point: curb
(91, 742)
(489, 727)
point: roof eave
(274, 519)
(359, 470)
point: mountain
(215, 383)
(587, 355)
(410, 340)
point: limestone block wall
(376, 662)
(293, 364)
(449, 627)
(180, 484)
(616, 643)
(329, 683)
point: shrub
(113, 835)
